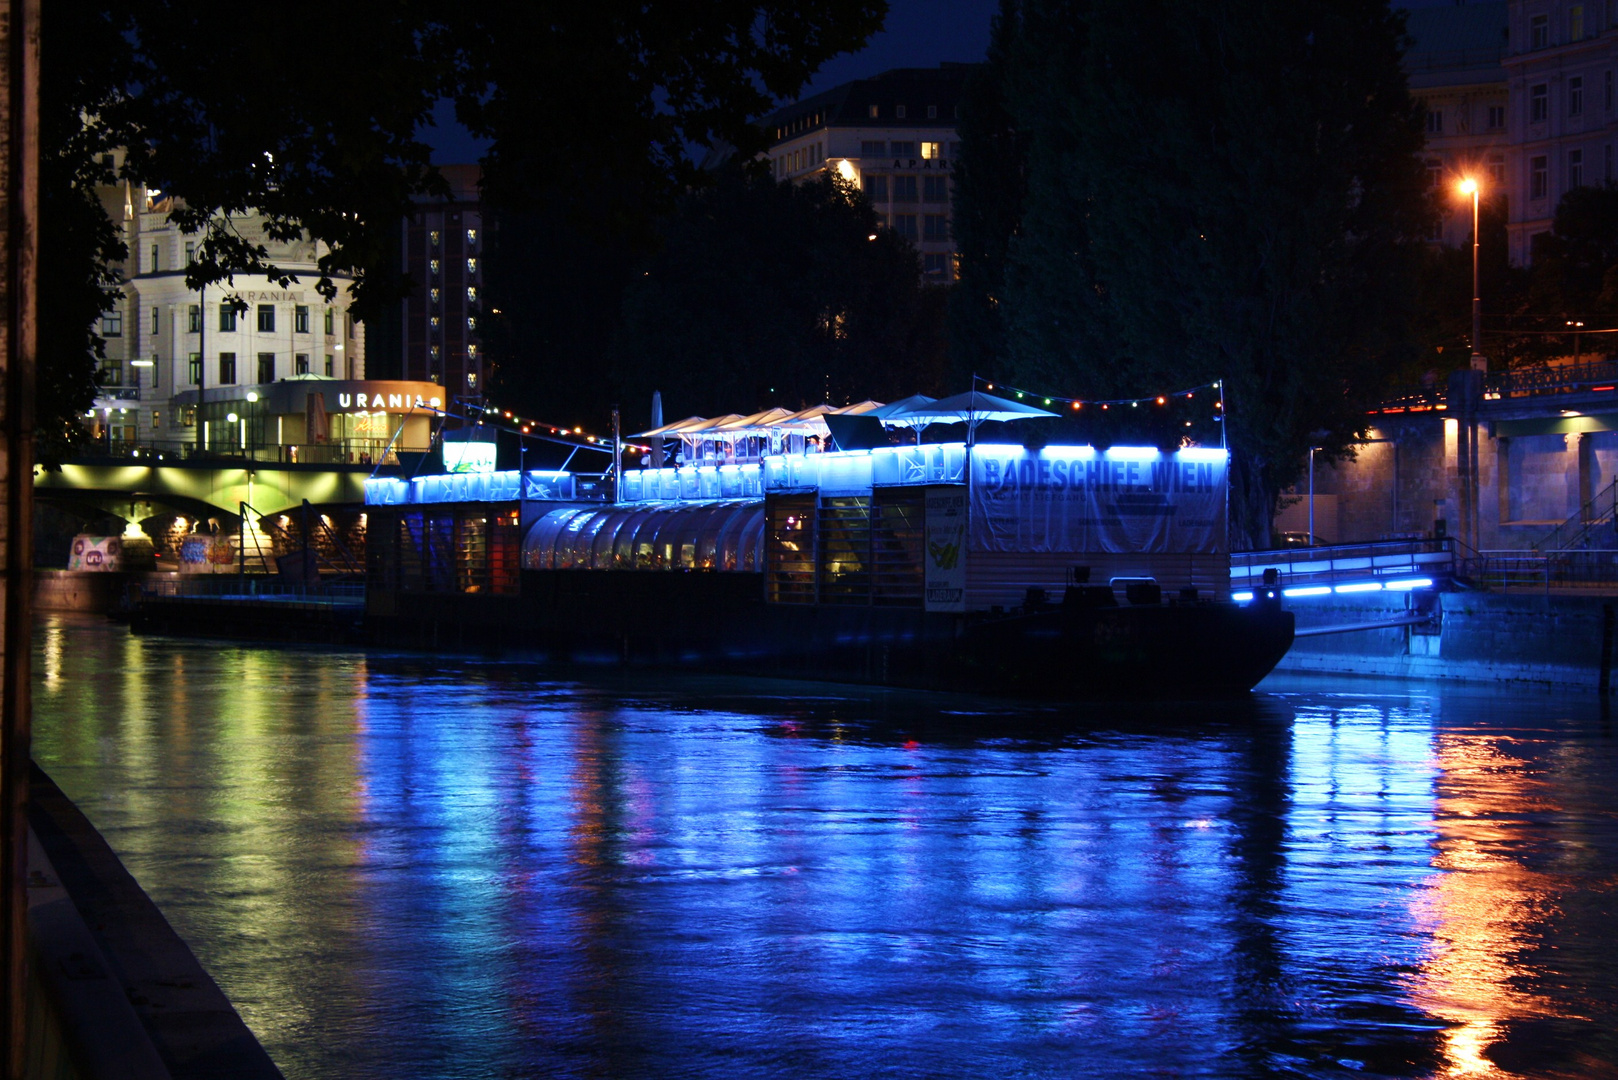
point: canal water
(414, 866)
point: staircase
(1593, 525)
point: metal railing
(253, 587)
(1327, 564)
(1577, 529)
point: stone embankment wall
(1558, 641)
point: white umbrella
(890, 414)
(972, 408)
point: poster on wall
(944, 560)
(1076, 499)
(95, 553)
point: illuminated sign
(468, 457)
(386, 402)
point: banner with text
(1126, 499)
(944, 561)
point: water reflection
(410, 866)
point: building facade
(174, 353)
(892, 135)
(433, 336)
(1560, 70)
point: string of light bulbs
(1079, 403)
(504, 419)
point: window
(432, 238)
(227, 368)
(190, 252)
(873, 148)
(876, 188)
(1497, 117)
(154, 259)
(1575, 23)
(902, 149)
(932, 112)
(1606, 153)
(112, 323)
(331, 364)
(300, 319)
(1575, 168)
(935, 265)
(266, 318)
(157, 376)
(300, 364)
(329, 330)
(195, 374)
(1435, 122)
(348, 320)
(873, 112)
(1435, 173)
(904, 188)
(935, 228)
(934, 189)
(156, 328)
(1537, 176)
(899, 112)
(227, 319)
(1497, 171)
(905, 226)
(194, 319)
(1539, 103)
(1575, 95)
(266, 367)
(1606, 90)
(1539, 32)
(930, 151)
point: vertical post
(1311, 496)
(617, 456)
(1479, 363)
(19, 207)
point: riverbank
(1556, 640)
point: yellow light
(1160, 401)
(845, 169)
(1468, 186)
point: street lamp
(1469, 186)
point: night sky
(919, 33)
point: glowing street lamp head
(1469, 186)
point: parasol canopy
(973, 407)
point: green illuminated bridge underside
(200, 488)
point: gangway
(1381, 564)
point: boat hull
(720, 622)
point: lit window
(874, 112)
(930, 151)
(329, 321)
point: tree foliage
(768, 293)
(1216, 189)
(228, 111)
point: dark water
(402, 866)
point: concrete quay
(1555, 639)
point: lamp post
(1469, 186)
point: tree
(768, 293)
(228, 111)
(1218, 190)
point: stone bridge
(198, 489)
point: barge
(1062, 572)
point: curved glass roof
(719, 535)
